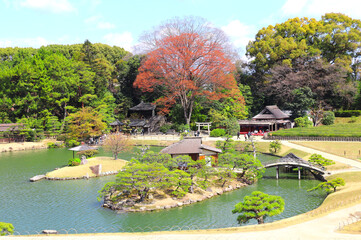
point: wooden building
(271, 118)
(143, 110)
(193, 147)
(10, 132)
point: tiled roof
(189, 146)
(9, 126)
(143, 107)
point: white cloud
(124, 40)
(55, 6)
(240, 34)
(24, 42)
(97, 21)
(317, 8)
(105, 25)
(93, 19)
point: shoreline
(199, 195)
(23, 146)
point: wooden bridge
(291, 160)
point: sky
(34, 23)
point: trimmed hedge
(348, 113)
(218, 132)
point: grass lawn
(335, 130)
(350, 150)
(108, 164)
(347, 192)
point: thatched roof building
(271, 118)
(193, 147)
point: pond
(72, 206)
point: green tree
(250, 168)
(258, 206)
(303, 122)
(275, 146)
(318, 159)
(302, 100)
(6, 228)
(329, 186)
(85, 123)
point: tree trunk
(260, 220)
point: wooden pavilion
(193, 147)
(271, 118)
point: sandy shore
(20, 146)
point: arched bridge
(294, 161)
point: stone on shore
(49, 232)
(37, 178)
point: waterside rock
(37, 178)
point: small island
(108, 166)
(174, 177)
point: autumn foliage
(185, 65)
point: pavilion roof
(270, 113)
(116, 123)
(143, 107)
(190, 145)
(9, 127)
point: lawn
(108, 164)
(335, 130)
(350, 150)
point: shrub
(318, 159)
(165, 128)
(74, 162)
(303, 122)
(328, 118)
(71, 143)
(275, 146)
(218, 132)
(55, 145)
(88, 153)
(348, 113)
(6, 229)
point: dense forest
(299, 64)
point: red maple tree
(184, 65)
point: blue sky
(33, 23)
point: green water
(68, 205)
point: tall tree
(117, 143)
(187, 58)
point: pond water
(72, 206)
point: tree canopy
(187, 58)
(258, 206)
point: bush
(55, 145)
(71, 143)
(275, 146)
(348, 113)
(6, 229)
(165, 128)
(88, 153)
(303, 122)
(74, 162)
(218, 132)
(328, 118)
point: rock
(97, 169)
(220, 192)
(83, 160)
(209, 190)
(49, 232)
(166, 207)
(179, 204)
(37, 178)
(142, 208)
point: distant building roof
(143, 107)
(9, 127)
(191, 145)
(270, 113)
(116, 123)
(137, 123)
